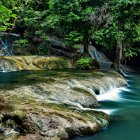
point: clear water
(125, 123)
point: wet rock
(1, 130)
(31, 137)
(56, 125)
(97, 92)
(15, 63)
(54, 110)
(9, 131)
(1, 102)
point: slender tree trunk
(118, 55)
(119, 47)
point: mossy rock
(51, 63)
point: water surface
(125, 123)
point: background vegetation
(112, 26)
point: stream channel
(125, 120)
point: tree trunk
(118, 55)
(119, 47)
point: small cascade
(7, 66)
(104, 62)
(76, 85)
(5, 48)
(109, 91)
(6, 43)
(108, 111)
(109, 85)
(112, 95)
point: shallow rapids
(125, 122)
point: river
(125, 122)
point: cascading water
(108, 91)
(125, 122)
(6, 46)
(7, 66)
(104, 62)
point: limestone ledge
(54, 107)
(37, 62)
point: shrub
(84, 63)
(21, 47)
(87, 63)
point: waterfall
(108, 111)
(104, 62)
(7, 65)
(108, 89)
(6, 49)
(6, 46)
(6, 42)
(112, 95)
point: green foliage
(87, 63)
(42, 49)
(130, 52)
(21, 43)
(76, 47)
(64, 19)
(10, 123)
(21, 47)
(74, 37)
(73, 22)
(127, 12)
(137, 33)
(84, 63)
(6, 15)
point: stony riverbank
(15, 63)
(59, 106)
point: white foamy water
(7, 66)
(104, 62)
(113, 95)
(107, 111)
(125, 89)
(76, 85)
(127, 75)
